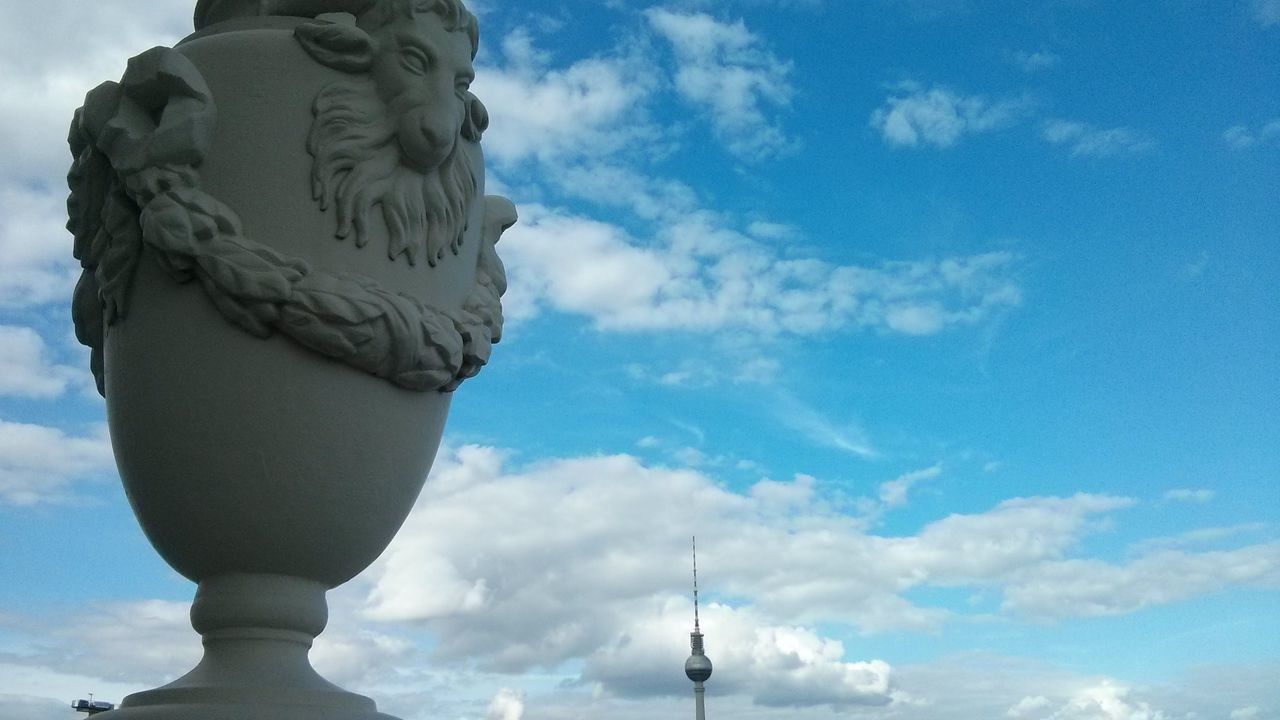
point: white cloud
(128, 644)
(25, 367)
(1084, 588)
(1267, 12)
(1105, 701)
(592, 108)
(1028, 706)
(762, 230)
(28, 707)
(1198, 536)
(605, 566)
(1240, 137)
(508, 704)
(997, 545)
(725, 72)
(699, 276)
(1089, 141)
(894, 492)
(37, 265)
(1245, 713)
(1189, 495)
(1030, 62)
(779, 666)
(939, 116)
(38, 463)
(352, 655)
(846, 436)
(125, 646)
(43, 86)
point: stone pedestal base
(256, 630)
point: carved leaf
(233, 311)
(243, 274)
(90, 181)
(167, 226)
(198, 202)
(326, 339)
(331, 299)
(425, 380)
(120, 258)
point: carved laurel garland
(134, 184)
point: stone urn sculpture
(289, 266)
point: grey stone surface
(289, 266)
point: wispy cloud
(1240, 137)
(1267, 12)
(1198, 537)
(1085, 140)
(1189, 495)
(939, 116)
(894, 492)
(1075, 588)
(845, 436)
(1030, 62)
(725, 71)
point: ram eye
(414, 60)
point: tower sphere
(698, 668)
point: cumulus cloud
(939, 116)
(779, 666)
(594, 107)
(43, 88)
(1029, 706)
(508, 704)
(1105, 701)
(700, 276)
(127, 643)
(38, 464)
(725, 72)
(38, 267)
(577, 566)
(601, 571)
(41, 91)
(125, 646)
(1085, 140)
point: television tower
(698, 666)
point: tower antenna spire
(698, 666)
(695, 583)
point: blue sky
(950, 327)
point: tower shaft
(698, 667)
